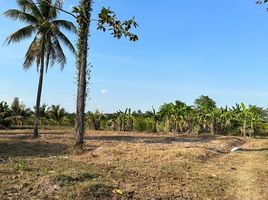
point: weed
(21, 165)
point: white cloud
(104, 91)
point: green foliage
(5, 112)
(21, 165)
(177, 117)
(205, 103)
(107, 20)
(140, 124)
(94, 120)
(41, 19)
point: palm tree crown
(41, 20)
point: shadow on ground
(255, 150)
(155, 139)
(8, 133)
(16, 148)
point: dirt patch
(138, 165)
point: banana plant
(129, 120)
(180, 113)
(152, 118)
(166, 114)
(155, 119)
(248, 120)
(94, 119)
(125, 120)
(190, 120)
(222, 120)
(121, 120)
(255, 120)
(244, 118)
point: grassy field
(118, 165)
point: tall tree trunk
(38, 98)
(82, 45)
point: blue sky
(186, 49)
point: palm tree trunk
(38, 99)
(82, 45)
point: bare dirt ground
(118, 165)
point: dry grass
(142, 166)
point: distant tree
(18, 112)
(5, 112)
(45, 49)
(43, 110)
(205, 102)
(56, 113)
(17, 107)
(259, 111)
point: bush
(140, 124)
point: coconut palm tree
(45, 50)
(56, 113)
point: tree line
(204, 117)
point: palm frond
(61, 58)
(46, 45)
(44, 7)
(29, 6)
(21, 34)
(32, 53)
(50, 52)
(64, 39)
(55, 9)
(20, 15)
(66, 25)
